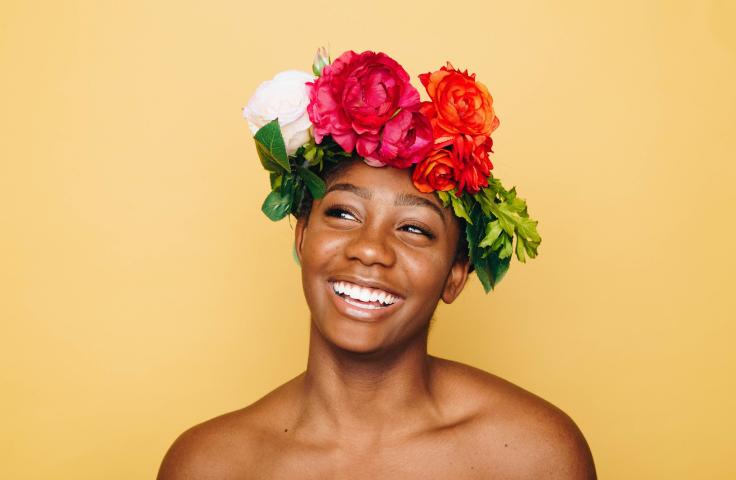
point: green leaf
(309, 152)
(506, 249)
(500, 211)
(472, 238)
(520, 248)
(499, 267)
(297, 197)
(499, 242)
(459, 208)
(527, 228)
(485, 277)
(315, 184)
(277, 204)
(491, 270)
(318, 158)
(531, 248)
(444, 197)
(312, 153)
(276, 179)
(493, 230)
(271, 148)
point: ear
(456, 279)
(301, 226)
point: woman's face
(377, 255)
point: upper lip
(364, 282)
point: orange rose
(436, 172)
(460, 104)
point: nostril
(371, 248)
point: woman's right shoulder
(231, 445)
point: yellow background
(142, 291)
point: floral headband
(364, 104)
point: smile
(363, 297)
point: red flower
(356, 96)
(436, 172)
(475, 165)
(462, 117)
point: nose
(371, 245)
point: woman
(377, 255)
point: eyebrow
(401, 199)
(349, 187)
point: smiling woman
(378, 251)
(374, 235)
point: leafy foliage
(494, 217)
(292, 176)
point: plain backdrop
(142, 291)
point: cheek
(318, 248)
(318, 252)
(426, 272)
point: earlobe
(456, 280)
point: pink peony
(405, 140)
(356, 96)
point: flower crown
(364, 104)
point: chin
(353, 337)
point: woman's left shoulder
(521, 431)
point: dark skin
(372, 403)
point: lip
(358, 313)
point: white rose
(285, 97)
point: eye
(418, 230)
(339, 212)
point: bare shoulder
(225, 447)
(523, 435)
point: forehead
(385, 181)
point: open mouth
(363, 297)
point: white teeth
(353, 292)
(363, 294)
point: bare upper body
(372, 404)
(480, 427)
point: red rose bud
(474, 165)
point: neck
(377, 391)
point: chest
(440, 457)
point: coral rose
(436, 172)
(460, 104)
(356, 96)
